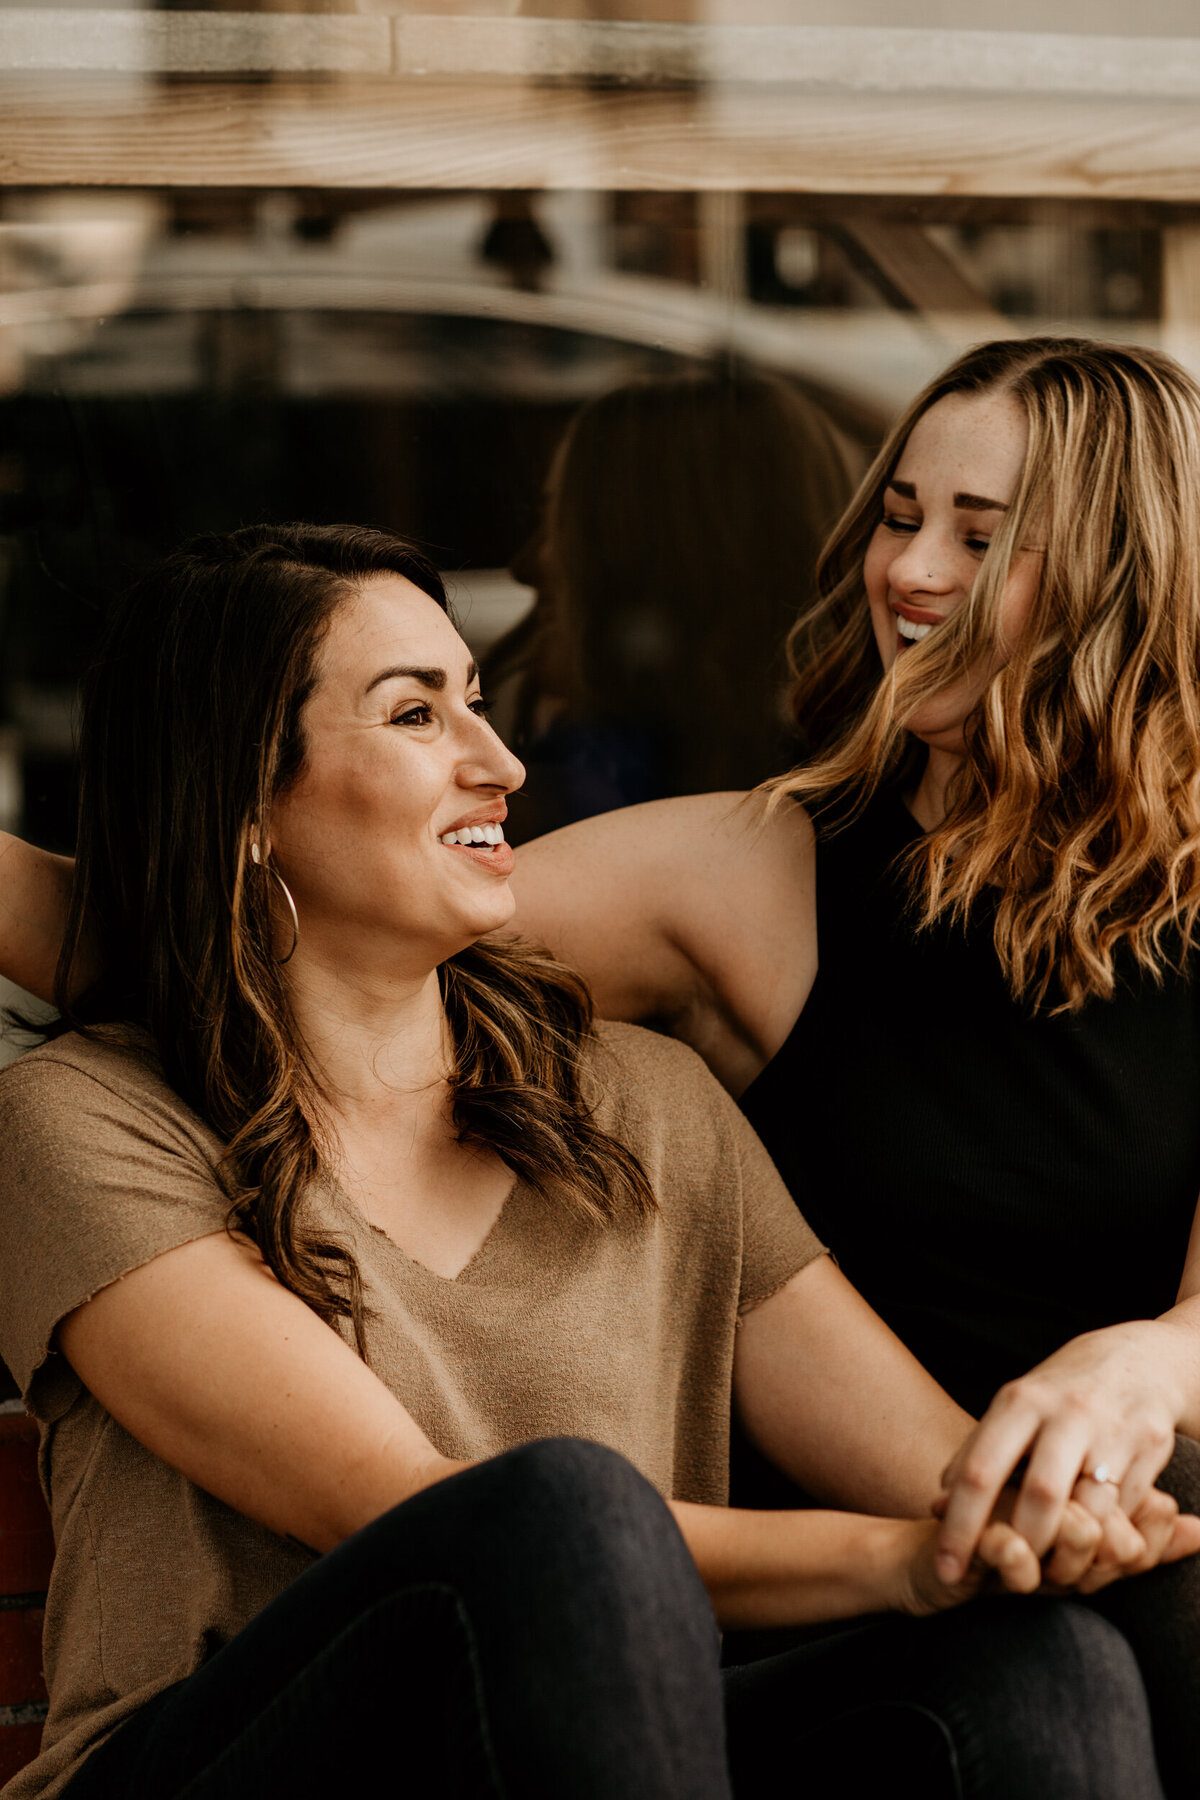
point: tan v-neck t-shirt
(622, 1334)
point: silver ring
(1100, 1473)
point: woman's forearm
(35, 893)
(798, 1568)
(1174, 1349)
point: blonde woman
(984, 1087)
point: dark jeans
(1006, 1699)
(534, 1629)
(1159, 1614)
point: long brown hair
(1077, 809)
(192, 722)
(682, 519)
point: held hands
(1094, 1425)
(1086, 1555)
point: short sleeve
(101, 1171)
(777, 1240)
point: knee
(1088, 1658)
(1072, 1702)
(582, 1513)
(568, 1475)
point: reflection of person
(986, 1097)
(423, 1154)
(682, 521)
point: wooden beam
(1181, 294)
(914, 270)
(349, 132)
(818, 59)
(721, 219)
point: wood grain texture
(923, 274)
(343, 131)
(842, 59)
(71, 38)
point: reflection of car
(173, 380)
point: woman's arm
(695, 914)
(692, 913)
(217, 1369)
(834, 1399)
(35, 892)
(797, 1568)
(262, 1405)
(1111, 1400)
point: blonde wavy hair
(1076, 812)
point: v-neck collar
(486, 1255)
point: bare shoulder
(696, 913)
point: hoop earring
(287, 894)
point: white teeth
(908, 628)
(474, 834)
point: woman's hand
(1158, 1533)
(1001, 1552)
(1086, 1555)
(1090, 1550)
(1095, 1421)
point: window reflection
(680, 528)
(601, 300)
(642, 407)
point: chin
(947, 738)
(486, 919)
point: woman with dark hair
(366, 1295)
(682, 517)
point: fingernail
(948, 1566)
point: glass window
(604, 304)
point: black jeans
(1005, 1699)
(1159, 1614)
(534, 1629)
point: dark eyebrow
(976, 503)
(429, 678)
(968, 502)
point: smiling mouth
(910, 631)
(474, 837)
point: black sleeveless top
(994, 1182)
